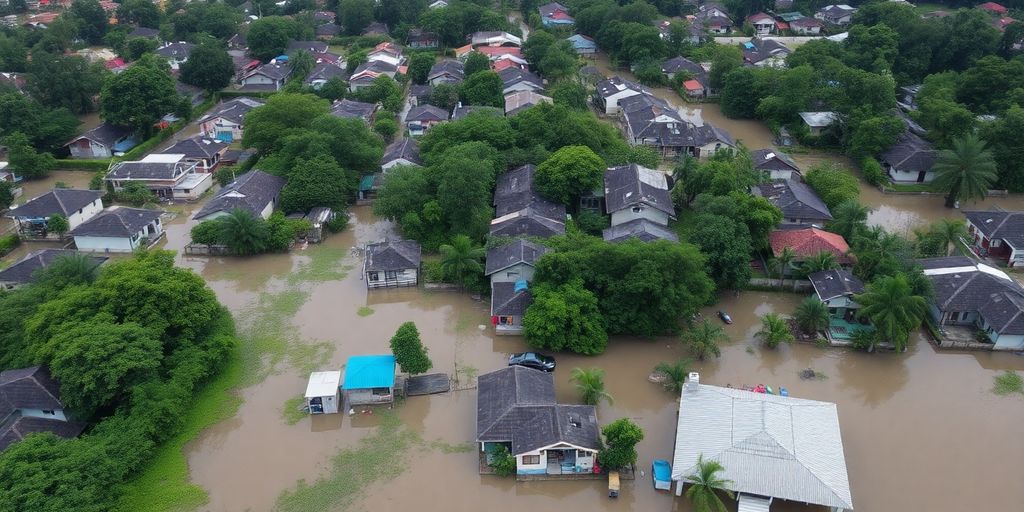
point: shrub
(833, 184)
(338, 223)
(503, 463)
(591, 223)
(226, 174)
(621, 437)
(410, 354)
(135, 194)
(8, 243)
(873, 173)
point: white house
(77, 206)
(227, 122)
(176, 53)
(323, 392)
(763, 24)
(255, 192)
(268, 77)
(836, 288)
(119, 229)
(635, 192)
(30, 403)
(169, 176)
(839, 15)
(616, 88)
(817, 122)
(392, 263)
(910, 159)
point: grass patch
(266, 340)
(750, 350)
(445, 447)
(1008, 383)
(325, 265)
(365, 311)
(292, 411)
(307, 358)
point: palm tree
(71, 269)
(301, 64)
(890, 305)
(966, 171)
(243, 232)
(774, 330)
(812, 315)
(461, 259)
(949, 231)
(590, 383)
(674, 373)
(703, 339)
(782, 262)
(819, 262)
(704, 484)
(848, 218)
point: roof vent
(693, 381)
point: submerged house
(610, 91)
(119, 229)
(255, 192)
(635, 192)
(392, 263)
(513, 262)
(22, 271)
(77, 206)
(205, 153)
(369, 380)
(775, 165)
(835, 289)
(323, 392)
(30, 403)
(104, 141)
(509, 301)
(910, 159)
(651, 121)
(818, 122)
(516, 408)
(997, 234)
(798, 202)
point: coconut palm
(70, 269)
(966, 171)
(301, 64)
(949, 232)
(674, 374)
(848, 218)
(590, 383)
(461, 259)
(812, 315)
(774, 330)
(890, 305)
(243, 233)
(702, 339)
(705, 484)
(782, 262)
(819, 262)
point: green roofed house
(369, 185)
(370, 380)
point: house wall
(261, 80)
(104, 244)
(779, 174)
(91, 150)
(611, 103)
(807, 30)
(540, 468)
(513, 327)
(909, 176)
(269, 209)
(86, 213)
(513, 274)
(710, 149)
(330, 403)
(1008, 341)
(645, 212)
(218, 125)
(379, 279)
(58, 414)
(367, 396)
(195, 192)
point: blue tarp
(364, 372)
(662, 470)
(126, 143)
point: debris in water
(482, 327)
(657, 377)
(807, 374)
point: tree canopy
(140, 95)
(209, 67)
(410, 354)
(569, 173)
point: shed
(370, 380)
(392, 263)
(323, 395)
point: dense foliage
(410, 354)
(246, 234)
(621, 437)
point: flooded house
(808, 242)
(509, 301)
(226, 122)
(119, 229)
(835, 289)
(30, 403)
(582, 45)
(205, 153)
(775, 165)
(516, 408)
(771, 447)
(652, 121)
(817, 122)
(77, 206)
(369, 380)
(635, 192)
(513, 262)
(256, 192)
(392, 263)
(21, 272)
(323, 392)
(104, 141)
(799, 203)
(168, 176)
(997, 235)
(612, 90)
(910, 159)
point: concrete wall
(104, 244)
(909, 177)
(86, 213)
(58, 414)
(510, 329)
(513, 274)
(378, 279)
(93, 151)
(367, 397)
(645, 212)
(540, 468)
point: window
(49, 412)
(511, 274)
(506, 320)
(373, 276)
(582, 453)
(996, 242)
(381, 391)
(531, 459)
(590, 203)
(638, 209)
(390, 275)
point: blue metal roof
(364, 372)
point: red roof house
(808, 242)
(993, 7)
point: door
(921, 175)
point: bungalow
(518, 101)
(610, 91)
(327, 31)
(516, 409)
(583, 45)
(513, 262)
(977, 296)
(375, 29)
(756, 434)
(392, 263)
(799, 203)
(839, 15)
(205, 153)
(77, 206)
(104, 141)
(765, 53)
(809, 242)
(322, 73)
(401, 152)
(323, 392)
(119, 229)
(532, 221)
(910, 159)
(226, 123)
(30, 403)
(642, 229)
(369, 186)
(496, 53)
(635, 192)
(682, 65)
(713, 9)
(997, 234)
(836, 288)
(420, 93)
(763, 24)
(775, 165)
(169, 176)
(654, 122)
(421, 117)
(255, 192)
(367, 72)
(715, 25)
(514, 191)
(176, 53)
(22, 271)
(509, 302)
(462, 111)
(446, 71)
(555, 15)
(421, 39)
(351, 109)
(807, 26)
(817, 122)
(515, 79)
(268, 77)
(369, 380)
(494, 38)
(307, 46)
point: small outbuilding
(370, 380)
(323, 393)
(392, 263)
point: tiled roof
(519, 251)
(21, 271)
(808, 242)
(105, 134)
(632, 184)
(407, 149)
(117, 222)
(350, 109)
(426, 113)
(507, 301)
(795, 199)
(641, 229)
(910, 153)
(771, 159)
(830, 284)
(30, 388)
(234, 110)
(527, 222)
(1008, 226)
(197, 147)
(59, 201)
(252, 192)
(393, 255)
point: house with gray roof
(775, 165)
(176, 53)
(104, 141)
(446, 71)
(765, 53)
(642, 229)
(836, 288)
(205, 153)
(462, 111)
(997, 234)
(256, 192)
(772, 447)
(268, 77)
(145, 32)
(652, 121)
(167, 175)
(910, 159)
(513, 262)
(516, 102)
(22, 271)
(77, 206)
(516, 408)
(367, 72)
(836, 14)
(610, 91)
(30, 403)
(401, 152)
(119, 229)
(514, 79)
(635, 192)
(227, 121)
(351, 109)
(327, 30)
(322, 73)
(392, 263)
(528, 222)
(308, 46)
(799, 203)
(420, 118)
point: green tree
(833, 184)
(725, 60)
(209, 67)
(46, 129)
(91, 19)
(301, 64)
(207, 233)
(445, 96)
(565, 317)
(6, 194)
(410, 354)
(559, 62)
(139, 12)
(503, 462)
(475, 63)
(58, 224)
(136, 47)
(26, 161)
(266, 127)
(703, 338)
(705, 484)
(140, 95)
(621, 437)
(727, 245)
(355, 15)
(673, 374)
(570, 94)
(386, 128)
(317, 181)
(966, 171)
(569, 173)
(812, 315)
(244, 233)
(484, 88)
(65, 81)
(781, 263)
(1006, 136)
(849, 218)
(590, 383)
(893, 309)
(268, 36)
(460, 260)
(818, 262)
(419, 66)
(774, 330)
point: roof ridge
(60, 203)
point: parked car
(533, 360)
(724, 316)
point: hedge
(83, 165)
(250, 94)
(8, 243)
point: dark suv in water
(533, 360)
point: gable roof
(795, 199)
(309, 46)
(960, 284)
(1008, 226)
(514, 182)
(808, 242)
(580, 41)
(327, 29)
(252, 192)
(407, 149)
(392, 255)
(757, 50)
(513, 75)
(117, 222)
(517, 101)
(830, 284)
(447, 67)
(17, 427)
(520, 251)
(149, 169)
(616, 84)
(59, 201)
(178, 50)
(771, 159)
(198, 147)
(643, 229)
(105, 134)
(819, 119)
(783, 447)
(426, 113)
(272, 70)
(677, 64)
(144, 32)
(632, 184)
(509, 300)
(234, 110)
(30, 388)
(351, 109)
(910, 153)
(21, 271)
(528, 222)
(325, 71)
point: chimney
(692, 382)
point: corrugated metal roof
(749, 503)
(364, 372)
(783, 447)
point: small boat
(783, 391)
(613, 484)
(759, 388)
(661, 473)
(724, 316)
(769, 390)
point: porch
(841, 329)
